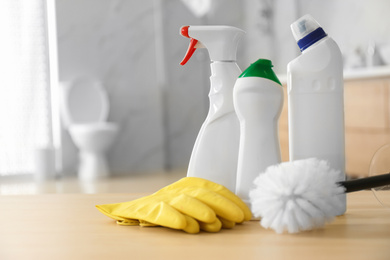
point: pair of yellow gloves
(190, 204)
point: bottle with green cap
(258, 101)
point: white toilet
(85, 109)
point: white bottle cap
(303, 26)
(306, 31)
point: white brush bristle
(296, 196)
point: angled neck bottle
(316, 98)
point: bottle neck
(314, 44)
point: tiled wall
(134, 48)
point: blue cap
(311, 38)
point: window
(25, 97)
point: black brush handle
(366, 183)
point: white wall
(114, 41)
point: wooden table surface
(68, 226)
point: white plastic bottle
(258, 101)
(316, 98)
(215, 153)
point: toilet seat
(95, 136)
(85, 102)
(94, 127)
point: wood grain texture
(67, 226)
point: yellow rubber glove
(162, 210)
(189, 204)
(195, 187)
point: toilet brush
(303, 195)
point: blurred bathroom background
(134, 48)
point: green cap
(262, 68)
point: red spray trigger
(191, 47)
(190, 51)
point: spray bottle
(316, 98)
(258, 101)
(215, 153)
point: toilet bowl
(85, 110)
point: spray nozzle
(184, 31)
(220, 41)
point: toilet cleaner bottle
(316, 98)
(258, 101)
(215, 152)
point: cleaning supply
(303, 194)
(258, 101)
(190, 204)
(316, 98)
(215, 153)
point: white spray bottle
(258, 100)
(215, 153)
(316, 98)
